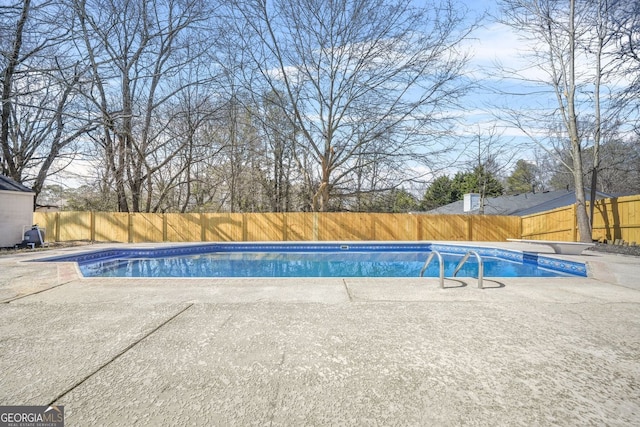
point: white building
(16, 211)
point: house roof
(8, 184)
(520, 204)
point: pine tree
(441, 192)
(523, 178)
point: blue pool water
(352, 264)
(315, 260)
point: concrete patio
(562, 351)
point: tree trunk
(8, 165)
(602, 23)
(321, 198)
(584, 227)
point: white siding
(16, 211)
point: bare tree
(357, 72)
(138, 52)
(40, 118)
(600, 31)
(619, 170)
(567, 41)
(244, 160)
(278, 139)
(491, 156)
(626, 27)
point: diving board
(565, 248)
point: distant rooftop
(8, 184)
(520, 204)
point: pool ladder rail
(440, 262)
(464, 259)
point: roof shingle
(8, 184)
(519, 204)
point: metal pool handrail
(480, 266)
(440, 262)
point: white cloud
(496, 43)
(498, 49)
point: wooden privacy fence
(614, 219)
(221, 227)
(617, 218)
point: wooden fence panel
(444, 227)
(344, 226)
(613, 219)
(299, 226)
(48, 221)
(393, 227)
(146, 227)
(557, 224)
(74, 225)
(185, 227)
(604, 221)
(617, 219)
(223, 227)
(111, 227)
(630, 218)
(485, 228)
(264, 227)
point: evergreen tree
(403, 201)
(445, 190)
(441, 192)
(480, 181)
(523, 178)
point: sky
(494, 45)
(491, 44)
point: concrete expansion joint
(346, 287)
(226, 321)
(120, 354)
(629, 287)
(9, 300)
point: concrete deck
(323, 352)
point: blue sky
(491, 44)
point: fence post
(470, 228)
(164, 227)
(285, 225)
(93, 226)
(520, 228)
(574, 231)
(315, 226)
(244, 227)
(130, 227)
(56, 228)
(203, 234)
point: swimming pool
(314, 260)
